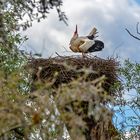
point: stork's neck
(75, 36)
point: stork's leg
(83, 55)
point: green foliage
(12, 61)
(31, 10)
(21, 115)
(130, 74)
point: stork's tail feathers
(98, 46)
(93, 32)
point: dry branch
(137, 29)
(132, 34)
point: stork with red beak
(85, 44)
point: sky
(110, 17)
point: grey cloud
(111, 17)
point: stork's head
(75, 36)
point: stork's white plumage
(86, 44)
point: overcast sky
(110, 17)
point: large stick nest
(65, 69)
(60, 70)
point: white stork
(85, 44)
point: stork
(85, 44)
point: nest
(66, 69)
(60, 70)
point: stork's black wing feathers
(90, 37)
(98, 46)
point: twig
(136, 113)
(59, 55)
(10, 129)
(132, 34)
(137, 28)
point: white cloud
(111, 17)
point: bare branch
(136, 113)
(132, 34)
(137, 28)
